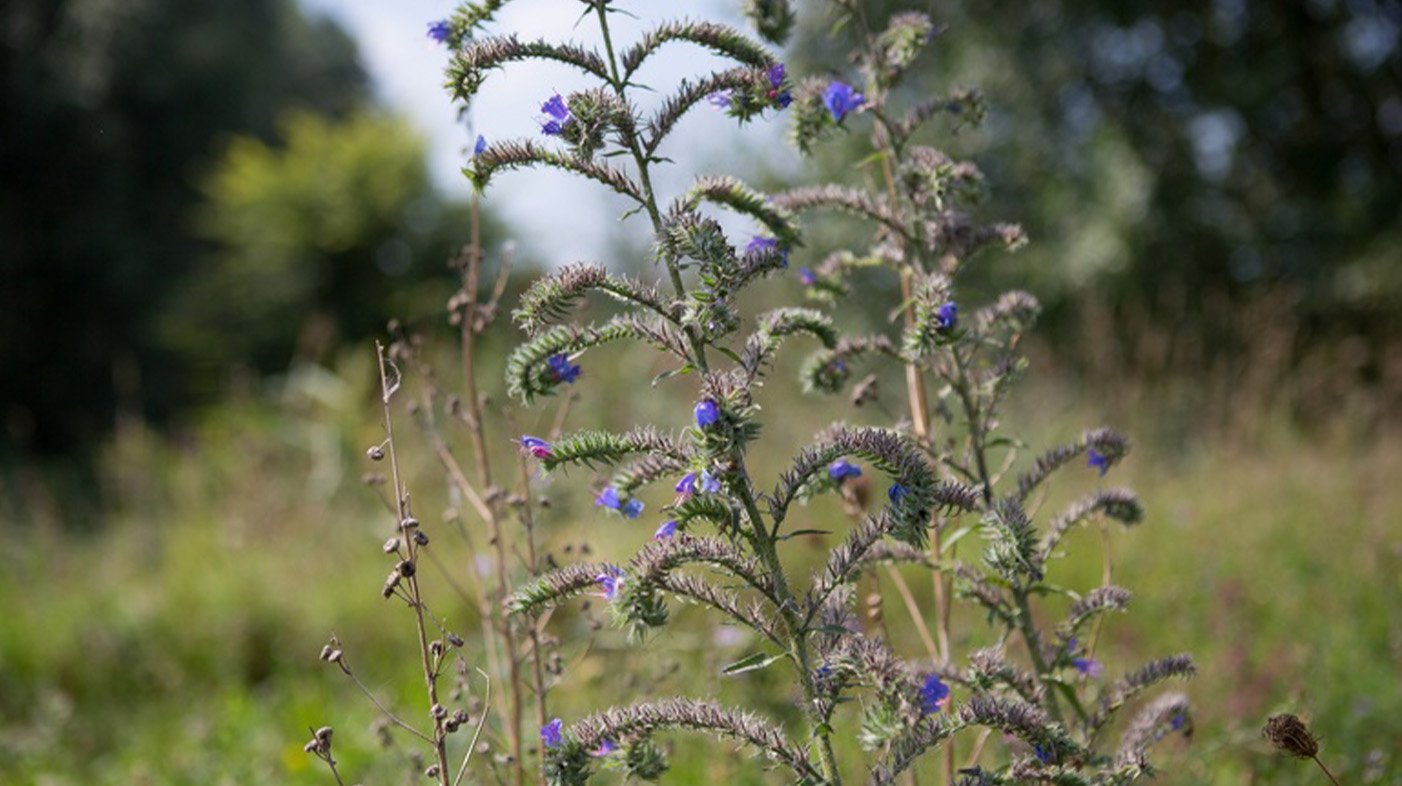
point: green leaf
(752, 662)
(798, 532)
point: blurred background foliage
(205, 216)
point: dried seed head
(432, 771)
(405, 568)
(409, 523)
(459, 716)
(420, 538)
(436, 647)
(439, 712)
(1290, 735)
(375, 453)
(390, 583)
(323, 735)
(326, 652)
(334, 656)
(391, 545)
(451, 725)
(310, 747)
(455, 640)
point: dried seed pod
(439, 712)
(420, 538)
(406, 569)
(391, 545)
(323, 735)
(326, 652)
(436, 647)
(432, 771)
(1290, 735)
(409, 523)
(375, 453)
(455, 640)
(390, 583)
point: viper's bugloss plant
(947, 468)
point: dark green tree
(110, 113)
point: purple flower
(1178, 721)
(632, 509)
(760, 243)
(480, 146)
(840, 99)
(709, 484)
(947, 316)
(719, 99)
(558, 113)
(896, 493)
(1089, 667)
(707, 412)
(776, 75)
(842, 469)
(609, 582)
(807, 276)
(666, 531)
(561, 369)
(933, 695)
(556, 108)
(606, 746)
(440, 31)
(608, 498)
(535, 446)
(687, 485)
(1044, 755)
(1097, 460)
(550, 733)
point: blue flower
(550, 733)
(440, 31)
(760, 244)
(896, 493)
(776, 75)
(562, 370)
(1178, 721)
(666, 531)
(606, 746)
(841, 99)
(687, 485)
(535, 446)
(784, 99)
(709, 483)
(480, 146)
(707, 412)
(842, 469)
(1044, 755)
(556, 108)
(933, 694)
(1097, 460)
(807, 276)
(609, 582)
(947, 316)
(632, 509)
(1090, 667)
(558, 113)
(719, 99)
(608, 498)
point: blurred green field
(177, 642)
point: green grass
(178, 641)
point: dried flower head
(1290, 735)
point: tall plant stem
(472, 274)
(430, 668)
(917, 397)
(1327, 773)
(760, 536)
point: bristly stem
(416, 599)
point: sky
(554, 217)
